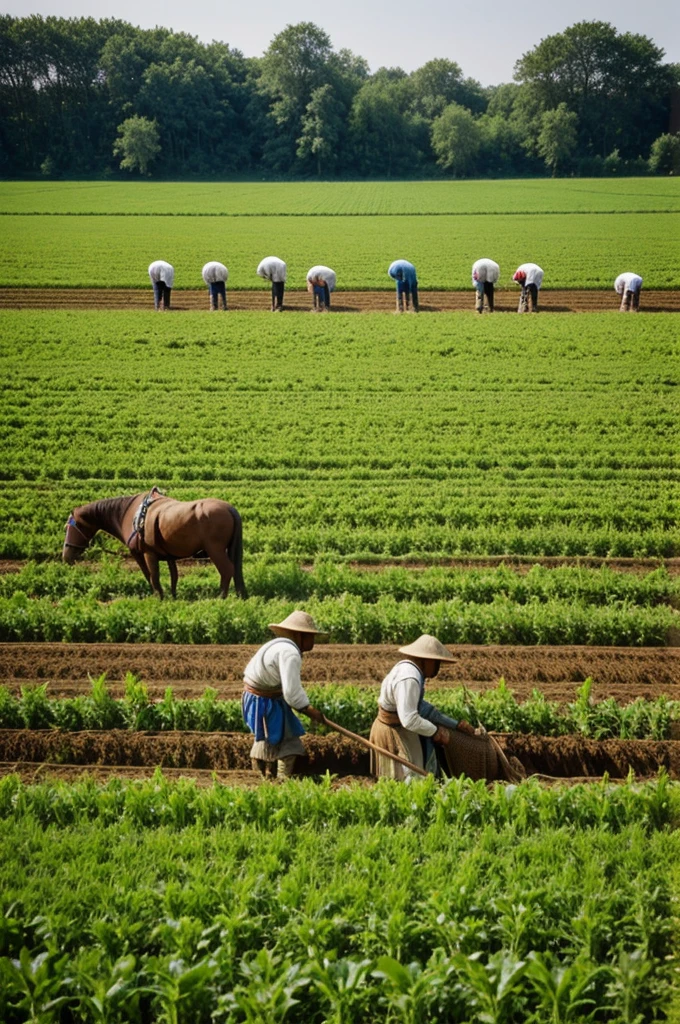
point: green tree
(557, 138)
(664, 156)
(456, 139)
(137, 143)
(383, 134)
(440, 82)
(321, 128)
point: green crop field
(575, 252)
(583, 195)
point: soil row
(551, 300)
(565, 757)
(620, 672)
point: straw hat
(427, 646)
(297, 622)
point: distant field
(532, 196)
(386, 437)
(574, 251)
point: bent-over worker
(273, 269)
(485, 274)
(530, 277)
(162, 276)
(404, 273)
(273, 690)
(215, 276)
(629, 286)
(321, 282)
(407, 724)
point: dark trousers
(528, 300)
(218, 290)
(322, 295)
(409, 292)
(488, 291)
(277, 294)
(161, 295)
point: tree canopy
(80, 96)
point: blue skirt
(268, 718)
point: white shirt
(159, 270)
(276, 666)
(273, 269)
(214, 272)
(400, 693)
(627, 282)
(325, 273)
(533, 272)
(486, 270)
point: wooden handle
(373, 746)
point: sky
(484, 39)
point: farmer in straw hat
(407, 724)
(273, 690)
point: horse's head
(78, 536)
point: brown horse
(157, 528)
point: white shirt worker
(272, 269)
(627, 282)
(533, 272)
(214, 272)
(159, 270)
(277, 666)
(328, 276)
(484, 271)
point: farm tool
(373, 746)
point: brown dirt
(620, 672)
(552, 301)
(34, 752)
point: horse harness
(72, 528)
(136, 542)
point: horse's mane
(108, 510)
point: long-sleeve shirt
(484, 271)
(214, 272)
(272, 269)
(402, 692)
(327, 275)
(159, 270)
(402, 270)
(533, 272)
(627, 282)
(277, 666)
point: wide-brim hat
(296, 622)
(427, 646)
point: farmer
(407, 724)
(404, 273)
(273, 690)
(321, 282)
(162, 276)
(485, 274)
(629, 286)
(273, 269)
(215, 276)
(530, 277)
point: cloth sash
(268, 718)
(388, 717)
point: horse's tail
(235, 552)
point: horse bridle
(71, 526)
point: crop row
(392, 904)
(465, 436)
(270, 579)
(629, 195)
(347, 618)
(575, 252)
(353, 707)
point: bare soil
(35, 753)
(620, 672)
(551, 301)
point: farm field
(257, 199)
(509, 484)
(575, 252)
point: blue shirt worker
(162, 276)
(272, 691)
(321, 282)
(404, 273)
(215, 276)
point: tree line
(81, 96)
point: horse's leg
(224, 565)
(172, 566)
(139, 559)
(154, 574)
